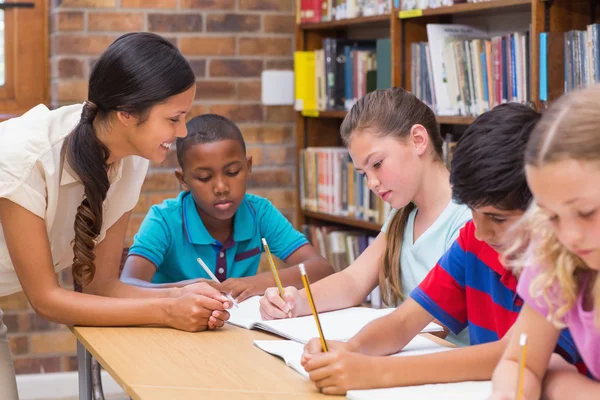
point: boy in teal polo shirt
(215, 219)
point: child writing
(214, 219)
(394, 141)
(561, 232)
(468, 287)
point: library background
(460, 57)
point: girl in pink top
(562, 290)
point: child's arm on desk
(343, 369)
(316, 267)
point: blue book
(486, 93)
(543, 66)
(513, 66)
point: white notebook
(291, 352)
(447, 391)
(338, 325)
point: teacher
(69, 179)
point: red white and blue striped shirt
(470, 288)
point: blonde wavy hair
(568, 130)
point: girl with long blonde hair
(557, 247)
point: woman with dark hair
(68, 181)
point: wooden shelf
(455, 120)
(345, 23)
(333, 114)
(471, 7)
(356, 223)
(448, 120)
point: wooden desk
(162, 363)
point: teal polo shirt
(173, 236)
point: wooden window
(23, 56)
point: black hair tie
(89, 111)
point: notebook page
(337, 325)
(291, 351)
(447, 391)
(288, 350)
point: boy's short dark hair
(208, 128)
(488, 162)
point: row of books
(462, 72)
(332, 10)
(334, 77)
(341, 247)
(329, 184)
(423, 4)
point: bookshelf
(403, 29)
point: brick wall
(229, 43)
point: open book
(338, 325)
(291, 352)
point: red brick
(170, 161)
(257, 154)
(249, 90)
(268, 134)
(210, 90)
(279, 23)
(197, 109)
(280, 114)
(232, 23)
(287, 64)
(67, 21)
(280, 155)
(272, 177)
(82, 44)
(199, 67)
(89, 3)
(157, 198)
(175, 22)
(36, 365)
(209, 4)
(68, 363)
(265, 46)
(15, 301)
(207, 46)
(235, 68)
(133, 227)
(115, 21)
(53, 342)
(70, 68)
(162, 180)
(72, 90)
(18, 345)
(281, 198)
(148, 3)
(238, 112)
(142, 204)
(267, 5)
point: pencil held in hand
(523, 344)
(273, 268)
(214, 278)
(312, 306)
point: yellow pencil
(523, 344)
(312, 306)
(273, 268)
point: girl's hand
(194, 312)
(338, 371)
(204, 287)
(313, 347)
(272, 306)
